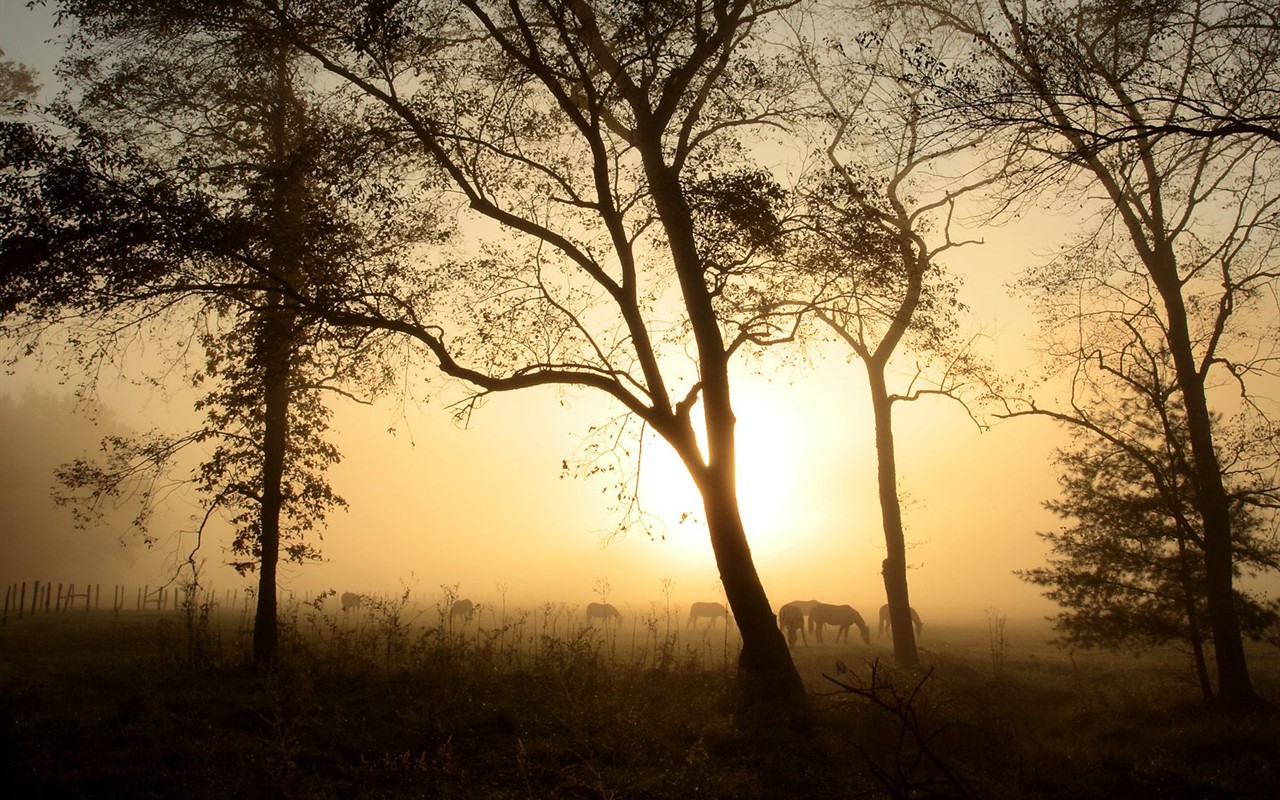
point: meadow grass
(391, 702)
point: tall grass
(392, 701)
(395, 633)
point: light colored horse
(804, 605)
(461, 608)
(886, 624)
(791, 619)
(712, 611)
(842, 617)
(351, 601)
(603, 612)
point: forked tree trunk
(771, 686)
(915, 263)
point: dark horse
(461, 608)
(887, 624)
(712, 611)
(790, 620)
(603, 612)
(843, 617)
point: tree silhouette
(197, 201)
(1128, 571)
(587, 141)
(1129, 101)
(867, 241)
(17, 85)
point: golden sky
(487, 508)
(437, 505)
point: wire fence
(46, 597)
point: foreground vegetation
(391, 703)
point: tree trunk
(770, 684)
(771, 689)
(274, 349)
(1189, 595)
(894, 567)
(1235, 688)
(1150, 236)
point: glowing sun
(768, 450)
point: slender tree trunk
(275, 352)
(1235, 688)
(1141, 209)
(915, 262)
(1194, 635)
(275, 348)
(894, 567)
(1150, 236)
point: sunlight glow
(769, 442)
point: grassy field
(531, 703)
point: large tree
(1130, 570)
(1129, 102)
(590, 143)
(873, 221)
(197, 201)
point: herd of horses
(792, 617)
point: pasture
(396, 700)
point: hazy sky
(437, 505)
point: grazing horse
(351, 601)
(887, 624)
(791, 619)
(712, 611)
(461, 608)
(804, 605)
(842, 617)
(603, 612)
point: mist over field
(531, 533)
